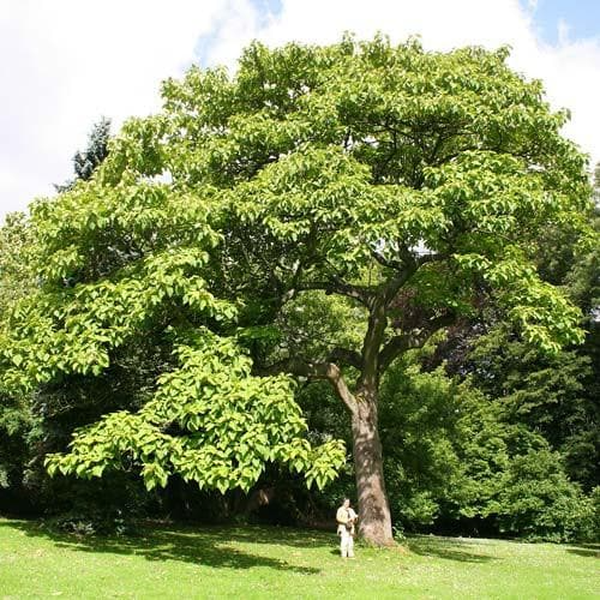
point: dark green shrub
(535, 499)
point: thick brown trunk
(375, 523)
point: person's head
(346, 503)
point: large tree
(414, 187)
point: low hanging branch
(314, 371)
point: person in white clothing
(346, 518)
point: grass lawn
(259, 562)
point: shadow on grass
(212, 547)
(219, 547)
(587, 550)
(447, 548)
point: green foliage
(556, 396)
(210, 421)
(452, 453)
(324, 419)
(583, 278)
(420, 415)
(111, 505)
(17, 280)
(265, 217)
(313, 323)
(88, 306)
(16, 275)
(15, 424)
(86, 162)
(120, 262)
(325, 155)
(536, 500)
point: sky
(66, 63)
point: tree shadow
(587, 550)
(446, 548)
(215, 546)
(278, 536)
(212, 547)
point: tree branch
(413, 339)
(429, 258)
(315, 371)
(385, 262)
(346, 356)
(360, 293)
(392, 287)
(393, 348)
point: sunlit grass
(255, 562)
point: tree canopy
(405, 189)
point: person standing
(346, 518)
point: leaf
(97, 470)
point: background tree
(86, 162)
(413, 187)
(457, 459)
(16, 282)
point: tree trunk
(375, 523)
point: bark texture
(375, 523)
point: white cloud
(67, 63)
(571, 75)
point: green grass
(259, 562)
